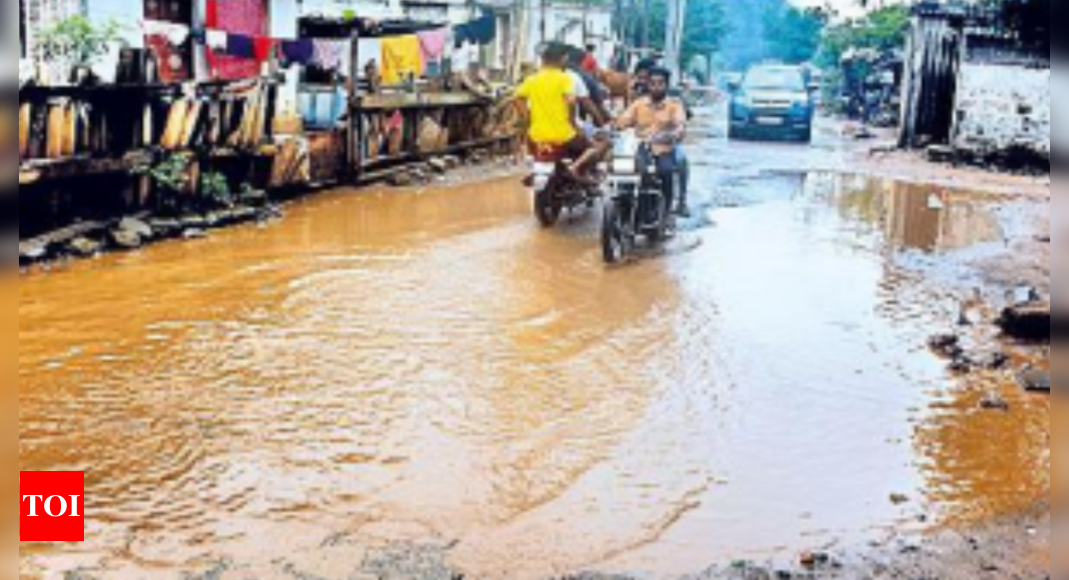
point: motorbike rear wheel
(547, 208)
(616, 242)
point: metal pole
(545, 22)
(355, 141)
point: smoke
(745, 42)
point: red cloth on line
(245, 17)
(264, 48)
(211, 17)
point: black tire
(614, 243)
(546, 208)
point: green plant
(171, 176)
(215, 188)
(80, 41)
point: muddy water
(432, 368)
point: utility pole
(545, 22)
(673, 37)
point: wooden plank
(421, 101)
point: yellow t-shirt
(549, 95)
(401, 56)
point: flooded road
(432, 369)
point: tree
(793, 35)
(705, 27)
(882, 31)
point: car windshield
(774, 78)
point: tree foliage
(79, 41)
(705, 27)
(882, 31)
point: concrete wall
(1001, 107)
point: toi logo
(52, 506)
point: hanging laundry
(433, 44)
(298, 52)
(463, 34)
(264, 48)
(329, 54)
(401, 56)
(211, 14)
(484, 30)
(176, 34)
(240, 46)
(248, 18)
(216, 40)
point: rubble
(84, 247)
(125, 239)
(1035, 381)
(1029, 321)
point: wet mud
(400, 384)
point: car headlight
(744, 101)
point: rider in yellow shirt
(551, 105)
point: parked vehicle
(555, 189)
(773, 101)
(637, 207)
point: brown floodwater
(431, 367)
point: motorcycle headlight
(624, 166)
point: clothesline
(397, 57)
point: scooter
(555, 189)
(637, 206)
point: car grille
(772, 105)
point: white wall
(564, 23)
(1002, 106)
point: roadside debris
(994, 402)
(964, 361)
(1029, 321)
(1035, 381)
(131, 233)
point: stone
(125, 239)
(1035, 381)
(899, 499)
(244, 213)
(136, 226)
(32, 253)
(402, 179)
(1029, 321)
(941, 154)
(946, 345)
(193, 222)
(994, 402)
(438, 165)
(814, 560)
(84, 247)
(165, 228)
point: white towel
(216, 40)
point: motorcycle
(555, 189)
(637, 206)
